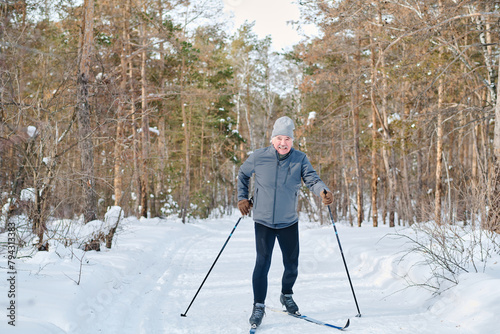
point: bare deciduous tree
(83, 113)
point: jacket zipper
(275, 186)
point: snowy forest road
(150, 275)
(177, 257)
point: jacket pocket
(287, 174)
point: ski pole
(229, 237)
(343, 258)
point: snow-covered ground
(155, 267)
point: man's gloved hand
(245, 205)
(327, 197)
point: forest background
(151, 105)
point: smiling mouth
(281, 147)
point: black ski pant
(288, 240)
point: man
(279, 171)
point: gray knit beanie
(284, 127)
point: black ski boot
(289, 304)
(257, 314)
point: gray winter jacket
(277, 185)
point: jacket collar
(284, 156)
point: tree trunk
(493, 222)
(374, 172)
(356, 96)
(359, 174)
(187, 162)
(163, 158)
(405, 183)
(336, 205)
(145, 129)
(201, 179)
(247, 117)
(420, 214)
(461, 202)
(118, 175)
(133, 115)
(83, 112)
(439, 155)
(387, 146)
(135, 142)
(346, 203)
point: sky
(271, 17)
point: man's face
(282, 144)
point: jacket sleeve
(245, 172)
(311, 178)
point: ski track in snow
(146, 292)
(155, 267)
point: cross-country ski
(309, 319)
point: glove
(245, 205)
(327, 197)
